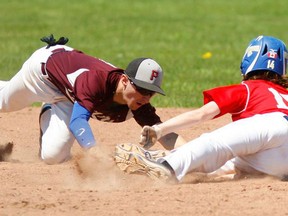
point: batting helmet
(265, 53)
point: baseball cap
(145, 73)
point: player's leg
(272, 156)
(44, 118)
(2, 84)
(232, 170)
(28, 85)
(14, 95)
(273, 161)
(56, 140)
(243, 137)
(202, 154)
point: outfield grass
(174, 33)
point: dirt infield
(29, 187)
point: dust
(6, 151)
(100, 173)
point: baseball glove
(133, 159)
(5, 151)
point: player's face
(136, 97)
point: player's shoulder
(224, 88)
(261, 83)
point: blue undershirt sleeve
(80, 127)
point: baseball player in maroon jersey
(256, 141)
(75, 87)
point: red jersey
(92, 82)
(249, 98)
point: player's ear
(124, 80)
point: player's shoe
(149, 154)
(45, 107)
(154, 170)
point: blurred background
(198, 43)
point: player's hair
(267, 75)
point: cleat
(154, 170)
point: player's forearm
(149, 135)
(183, 121)
(80, 127)
(83, 133)
(189, 119)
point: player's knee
(55, 158)
(55, 152)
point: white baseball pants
(257, 143)
(30, 85)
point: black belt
(43, 69)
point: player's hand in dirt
(149, 136)
(6, 151)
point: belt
(286, 117)
(43, 69)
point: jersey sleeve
(230, 99)
(146, 115)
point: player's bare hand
(149, 136)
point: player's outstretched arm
(149, 135)
(189, 119)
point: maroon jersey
(249, 98)
(92, 82)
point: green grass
(174, 33)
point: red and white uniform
(250, 98)
(256, 140)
